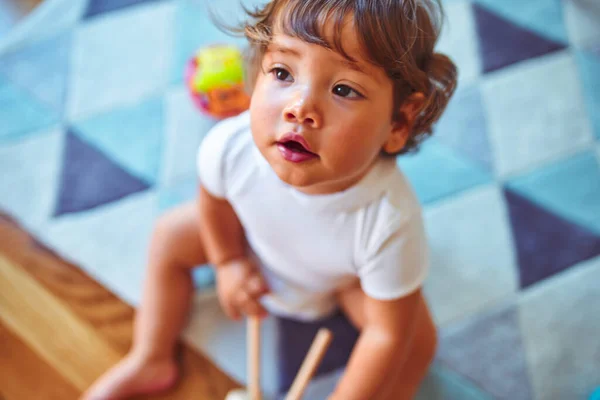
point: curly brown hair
(396, 35)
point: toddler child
(301, 207)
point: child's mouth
(294, 148)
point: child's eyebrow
(354, 66)
(278, 48)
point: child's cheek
(271, 101)
(266, 110)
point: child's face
(307, 97)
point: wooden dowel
(254, 358)
(309, 365)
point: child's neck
(337, 186)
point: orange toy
(215, 80)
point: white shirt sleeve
(398, 264)
(212, 156)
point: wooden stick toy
(253, 366)
(309, 365)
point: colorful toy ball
(215, 80)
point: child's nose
(302, 110)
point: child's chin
(293, 175)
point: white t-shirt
(308, 246)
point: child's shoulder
(221, 137)
(220, 152)
(400, 195)
(396, 208)
(398, 198)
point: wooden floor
(59, 329)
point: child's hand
(239, 286)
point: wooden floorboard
(48, 327)
(20, 367)
(53, 310)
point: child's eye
(346, 91)
(281, 74)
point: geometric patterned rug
(98, 137)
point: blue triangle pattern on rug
(545, 17)
(132, 136)
(502, 43)
(436, 172)
(20, 113)
(546, 244)
(96, 7)
(589, 68)
(41, 69)
(476, 350)
(90, 179)
(463, 127)
(443, 383)
(179, 193)
(195, 30)
(569, 188)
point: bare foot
(133, 376)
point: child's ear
(409, 110)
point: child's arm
(239, 283)
(381, 348)
(222, 233)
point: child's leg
(174, 249)
(412, 372)
(404, 381)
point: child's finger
(241, 297)
(249, 305)
(253, 308)
(256, 286)
(231, 310)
